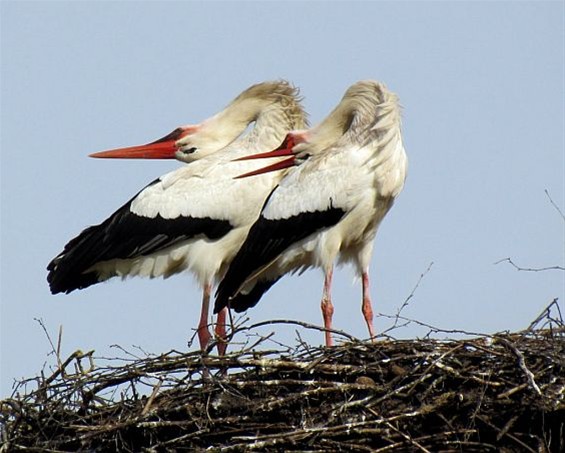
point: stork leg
(203, 333)
(366, 307)
(327, 306)
(220, 331)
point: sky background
(482, 90)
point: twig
(75, 355)
(407, 300)
(306, 325)
(554, 204)
(59, 340)
(503, 432)
(530, 269)
(546, 314)
(408, 438)
(152, 397)
(521, 364)
(42, 324)
(434, 329)
(512, 391)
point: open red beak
(285, 149)
(164, 148)
(273, 167)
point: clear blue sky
(481, 84)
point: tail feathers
(78, 281)
(67, 271)
(242, 301)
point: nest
(502, 392)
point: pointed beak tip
(163, 148)
(284, 152)
(151, 151)
(287, 163)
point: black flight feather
(266, 240)
(123, 235)
(251, 298)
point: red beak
(276, 153)
(285, 149)
(164, 148)
(273, 167)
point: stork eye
(189, 150)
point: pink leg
(203, 333)
(366, 307)
(327, 306)
(221, 336)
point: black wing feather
(123, 235)
(266, 240)
(243, 301)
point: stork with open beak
(347, 173)
(196, 217)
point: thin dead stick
(545, 315)
(42, 324)
(59, 340)
(411, 295)
(154, 393)
(530, 269)
(521, 364)
(554, 204)
(296, 323)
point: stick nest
(502, 392)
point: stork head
(193, 142)
(185, 143)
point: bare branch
(546, 317)
(411, 295)
(530, 269)
(406, 302)
(522, 364)
(555, 205)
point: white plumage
(327, 209)
(193, 218)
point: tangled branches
(504, 392)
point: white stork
(349, 170)
(194, 218)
